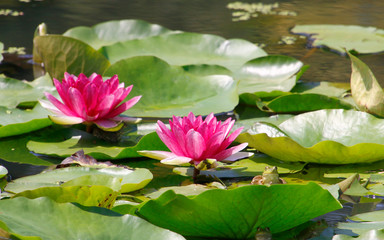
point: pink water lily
(89, 101)
(192, 140)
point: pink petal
(168, 139)
(231, 138)
(176, 160)
(66, 120)
(77, 102)
(230, 151)
(194, 144)
(106, 123)
(238, 155)
(123, 107)
(59, 105)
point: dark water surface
(207, 16)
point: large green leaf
(47, 219)
(344, 37)
(127, 180)
(17, 121)
(110, 32)
(366, 91)
(76, 140)
(13, 91)
(324, 136)
(186, 49)
(269, 73)
(169, 90)
(212, 213)
(64, 54)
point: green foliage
(41, 217)
(211, 213)
(324, 136)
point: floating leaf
(110, 32)
(324, 136)
(344, 37)
(268, 73)
(76, 140)
(17, 121)
(64, 54)
(41, 217)
(187, 49)
(13, 91)
(168, 90)
(130, 180)
(211, 213)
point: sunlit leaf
(3, 171)
(187, 49)
(130, 180)
(169, 90)
(17, 121)
(344, 37)
(366, 91)
(64, 54)
(41, 217)
(324, 136)
(269, 73)
(110, 32)
(211, 213)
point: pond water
(207, 16)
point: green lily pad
(168, 90)
(127, 180)
(13, 91)
(42, 217)
(366, 91)
(371, 224)
(187, 49)
(76, 140)
(367, 235)
(297, 102)
(17, 121)
(344, 37)
(211, 213)
(267, 74)
(325, 136)
(110, 32)
(64, 54)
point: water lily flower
(90, 101)
(192, 140)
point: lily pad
(268, 73)
(110, 32)
(187, 49)
(13, 91)
(366, 91)
(64, 54)
(344, 37)
(325, 136)
(129, 180)
(76, 140)
(168, 90)
(42, 217)
(211, 213)
(17, 121)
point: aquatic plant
(90, 101)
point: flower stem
(196, 172)
(89, 128)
